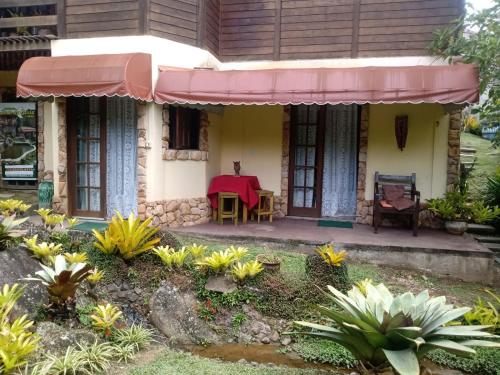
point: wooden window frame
(184, 128)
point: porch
(433, 250)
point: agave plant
(9, 231)
(381, 329)
(332, 258)
(130, 237)
(218, 261)
(63, 279)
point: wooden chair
(222, 212)
(265, 206)
(410, 192)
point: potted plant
(453, 210)
(269, 261)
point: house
(141, 103)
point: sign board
(18, 142)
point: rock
(220, 284)
(16, 264)
(286, 341)
(265, 340)
(275, 337)
(55, 339)
(174, 313)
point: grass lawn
(488, 159)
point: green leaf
(403, 361)
(450, 346)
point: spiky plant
(218, 261)
(239, 272)
(135, 335)
(9, 231)
(197, 251)
(253, 268)
(10, 207)
(332, 258)
(43, 251)
(105, 317)
(380, 329)
(76, 257)
(95, 275)
(63, 279)
(238, 252)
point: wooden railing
(21, 25)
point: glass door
(87, 156)
(306, 160)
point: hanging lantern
(401, 128)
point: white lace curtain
(340, 161)
(121, 185)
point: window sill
(195, 155)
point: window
(184, 128)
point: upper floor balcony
(243, 29)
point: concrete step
(488, 239)
(480, 229)
(495, 247)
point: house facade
(141, 103)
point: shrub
(129, 237)
(324, 351)
(321, 273)
(105, 317)
(17, 342)
(452, 207)
(485, 313)
(380, 329)
(9, 231)
(484, 362)
(135, 335)
(472, 125)
(62, 280)
(491, 192)
(482, 214)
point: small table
(244, 186)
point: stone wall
(60, 203)
(179, 212)
(142, 151)
(364, 208)
(454, 148)
(281, 201)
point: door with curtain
(306, 160)
(121, 158)
(86, 119)
(340, 161)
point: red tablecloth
(245, 186)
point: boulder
(174, 313)
(55, 339)
(220, 284)
(16, 264)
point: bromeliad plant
(43, 251)
(171, 258)
(62, 280)
(9, 231)
(332, 258)
(76, 257)
(381, 329)
(10, 207)
(249, 269)
(197, 251)
(127, 237)
(218, 261)
(95, 275)
(485, 313)
(17, 342)
(105, 317)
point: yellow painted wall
(253, 135)
(8, 78)
(426, 146)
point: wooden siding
(267, 29)
(402, 27)
(175, 20)
(90, 18)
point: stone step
(480, 229)
(495, 247)
(487, 239)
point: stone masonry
(281, 201)
(454, 148)
(142, 151)
(60, 203)
(364, 208)
(179, 212)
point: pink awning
(413, 84)
(90, 75)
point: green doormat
(334, 224)
(87, 226)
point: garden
(135, 299)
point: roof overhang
(88, 75)
(443, 84)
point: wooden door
(86, 119)
(306, 160)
